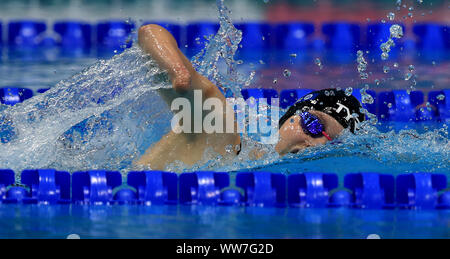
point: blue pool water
(33, 221)
(92, 120)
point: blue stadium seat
(94, 187)
(154, 187)
(371, 190)
(174, 29)
(311, 190)
(442, 106)
(289, 97)
(114, 34)
(13, 95)
(202, 187)
(47, 186)
(258, 93)
(293, 36)
(74, 34)
(263, 189)
(398, 105)
(420, 190)
(25, 33)
(432, 37)
(255, 36)
(196, 33)
(342, 36)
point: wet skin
(189, 147)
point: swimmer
(314, 120)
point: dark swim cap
(346, 109)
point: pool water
(34, 221)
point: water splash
(96, 119)
(362, 65)
(396, 32)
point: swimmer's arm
(188, 148)
(163, 48)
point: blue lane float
(196, 33)
(422, 191)
(293, 36)
(262, 189)
(439, 101)
(73, 34)
(14, 95)
(94, 187)
(114, 34)
(47, 186)
(311, 190)
(371, 190)
(203, 188)
(6, 179)
(255, 189)
(154, 187)
(25, 33)
(398, 105)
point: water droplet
(391, 16)
(389, 105)
(396, 31)
(287, 73)
(377, 82)
(386, 69)
(293, 55)
(440, 97)
(408, 76)
(275, 81)
(384, 56)
(318, 63)
(348, 91)
(395, 65)
(411, 68)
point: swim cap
(346, 109)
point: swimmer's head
(317, 118)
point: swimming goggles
(312, 125)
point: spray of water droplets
(396, 32)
